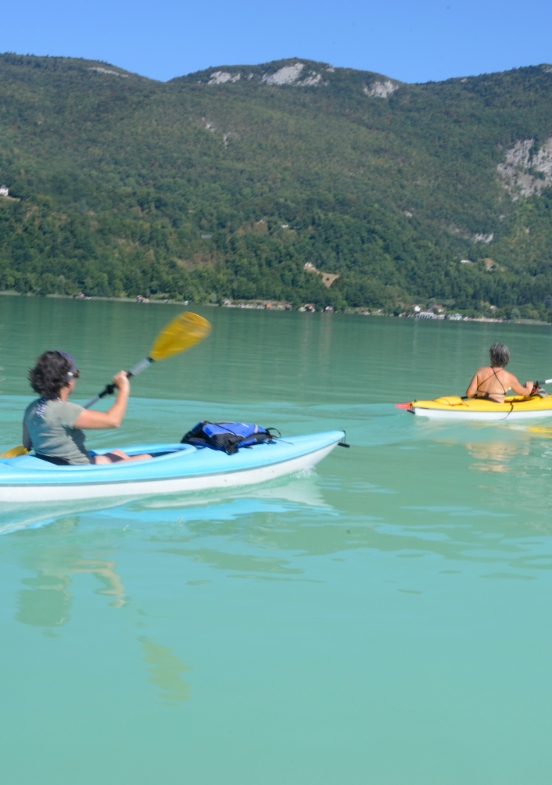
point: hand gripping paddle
(181, 334)
(178, 336)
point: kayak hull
(177, 469)
(454, 408)
(437, 414)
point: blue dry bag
(228, 436)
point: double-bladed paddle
(177, 336)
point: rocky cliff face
(527, 169)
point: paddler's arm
(114, 416)
(518, 388)
(472, 388)
(27, 443)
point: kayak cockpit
(162, 453)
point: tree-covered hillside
(224, 183)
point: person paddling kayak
(492, 382)
(53, 426)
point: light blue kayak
(175, 468)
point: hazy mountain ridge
(391, 185)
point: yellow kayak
(452, 407)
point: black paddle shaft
(109, 389)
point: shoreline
(255, 305)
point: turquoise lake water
(384, 619)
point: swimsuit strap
(494, 373)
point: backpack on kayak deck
(227, 436)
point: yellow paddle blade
(180, 334)
(15, 452)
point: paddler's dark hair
(500, 355)
(50, 374)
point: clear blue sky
(410, 40)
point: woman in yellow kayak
(492, 382)
(53, 426)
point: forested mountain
(224, 183)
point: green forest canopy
(224, 183)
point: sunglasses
(74, 374)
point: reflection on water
(164, 671)
(46, 599)
(496, 456)
(48, 602)
(302, 488)
(542, 431)
(261, 566)
(20, 517)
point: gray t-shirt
(52, 432)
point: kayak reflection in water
(492, 382)
(53, 426)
